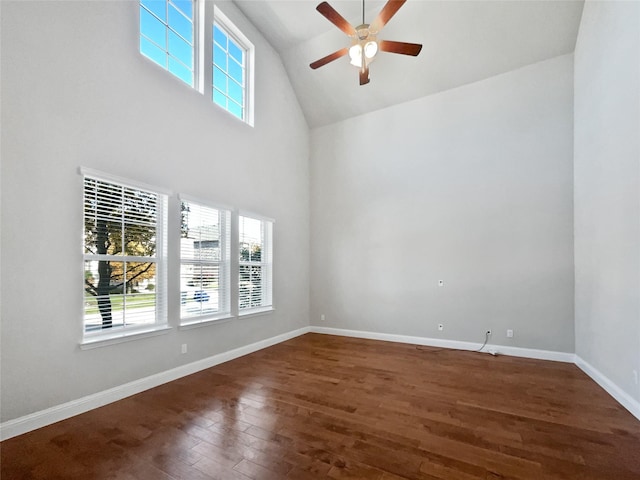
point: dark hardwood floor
(321, 406)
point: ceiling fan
(364, 42)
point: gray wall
(607, 182)
(75, 91)
(472, 186)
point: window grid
(255, 264)
(229, 72)
(204, 263)
(123, 257)
(167, 35)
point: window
(204, 262)
(124, 257)
(232, 54)
(255, 264)
(167, 35)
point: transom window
(167, 35)
(255, 264)
(228, 72)
(204, 262)
(124, 257)
(232, 59)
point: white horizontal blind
(124, 251)
(255, 263)
(204, 262)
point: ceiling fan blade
(388, 11)
(403, 48)
(364, 75)
(334, 17)
(329, 58)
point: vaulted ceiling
(463, 42)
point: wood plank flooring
(320, 406)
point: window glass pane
(186, 6)
(250, 287)
(236, 72)
(160, 40)
(103, 299)
(138, 286)
(102, 237)
(200, 233)
(158, 7)
(152, 52)
(140, 240)
(235, 109)
(103, 217)
(152, 28)
(180, 71)
(236, 52)
(220, 37)
(180, 24)
(250, 238)
(235, 92)
(219, 80)
(219, 57)
(220, 98)
(180, 49)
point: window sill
(206, 322)
(256, 312)
(122, 336)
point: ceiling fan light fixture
(370, 49)
(355, 53)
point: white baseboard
(455, 344)
(51, 415)
(622, 397)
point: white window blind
(204, 262)
(124, 257)
(255, 264)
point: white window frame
(244, 43)
(266, 264)
(116, 334)
(224, 265)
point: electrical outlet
(441, 283)
(184, 348)
(489, 332)
(440, 327)
(322, 318)
(509, 333)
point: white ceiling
(463, 42)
